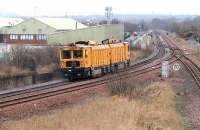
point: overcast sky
(85, 7)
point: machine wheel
(128, 63)
(107, 69)
(125, 65)
(116, 67)
(71, 78)
(103, 71)
(64, 75)
(112, 69)
(90, 73)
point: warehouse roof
(61, 23)
(8, 22)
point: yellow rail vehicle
(88, 59)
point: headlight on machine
(82, 64)
(62, 64)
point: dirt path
(188, 94)
(187, 99)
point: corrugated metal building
(98, 33)
(43, 30)
(62, 24)
(30, 31)
(6, 23)
(35, 30)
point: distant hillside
(131, 18)
(122, 17)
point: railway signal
(176, 67)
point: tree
(103, 22)
(130, 27)
(115, 21)
(143, 25)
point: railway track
(44, 86)
(190, 66)
(21, 96)
(193, 69)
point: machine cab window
(77, 54)
(66, 54)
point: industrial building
(43, 30)
(35, 30)
(6, 23)
(97, 33)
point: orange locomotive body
(88, 59)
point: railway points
(18, 97)
(153, 62)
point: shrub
(30, 58)
(132, 90)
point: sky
(88, 7)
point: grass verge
(150, 107)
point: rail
(10, 98)
(190, 66)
